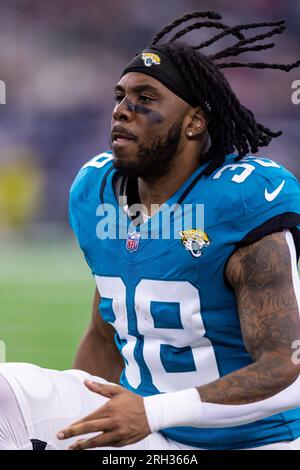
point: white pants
(36, 403)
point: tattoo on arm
(261, 276)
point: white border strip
(294, 262)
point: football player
(194, 336)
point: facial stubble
(153, 160)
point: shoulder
(93, 170)
(85, 188)
(256, 180)
(253, 183)
(254, 196)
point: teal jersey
(175, 316)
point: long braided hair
(231, 126)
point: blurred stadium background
(60, 61)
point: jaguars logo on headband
(149, 59)
(195, 241)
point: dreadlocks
(231, 126)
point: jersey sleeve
(264, 198)
(76, 191)
(83, 190)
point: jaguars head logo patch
(195, 241)
(149, 59)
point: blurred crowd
(60, 61)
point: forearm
(264, 378)
(224, 403)
(99, 357)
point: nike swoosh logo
(271, 196)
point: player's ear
(197, 124)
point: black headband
(155, 61)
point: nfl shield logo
(133, 241)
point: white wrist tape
(173, 409)
(185, 408)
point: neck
(156, 191)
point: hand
(121, 421)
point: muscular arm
(261, 276)
(97, 353)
